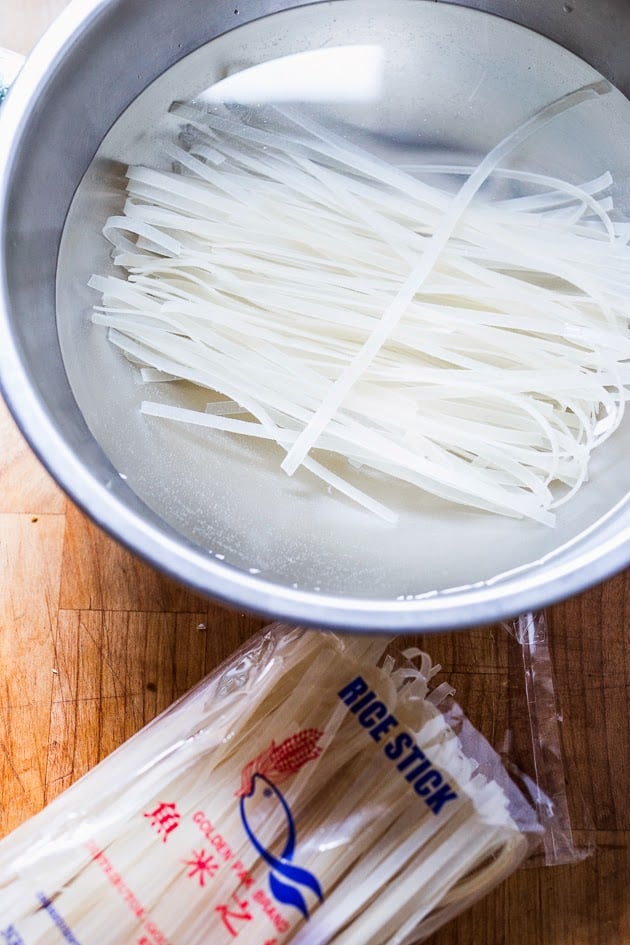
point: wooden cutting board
(93, 644)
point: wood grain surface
(93, 644)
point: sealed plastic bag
(504, 687)
(309, 791)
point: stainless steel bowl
(235, 528)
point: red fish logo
(262, 803)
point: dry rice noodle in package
(309, 791)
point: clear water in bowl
(414, 82)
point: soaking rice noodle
(350, 312)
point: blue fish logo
(261, 801)
(285, 877)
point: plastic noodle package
(503, 679)
(309, 791)
(542, 776)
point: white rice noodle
(476, 349)
(389, 866)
